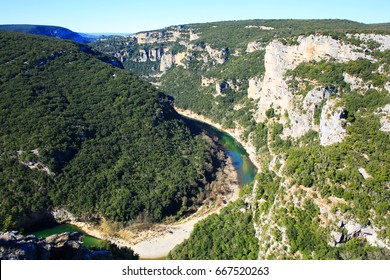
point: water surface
(245, 168)
(88, 240)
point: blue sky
(131, 16)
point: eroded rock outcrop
(383, 40)
(275, 92)
(166, 62)
(65, 246)
(254, 46)
(219, 56)
(207, 81)
(62, 216)
(331, 124)
(355, 230)
(385, 118)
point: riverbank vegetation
(229, 235)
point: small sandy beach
(157, 241)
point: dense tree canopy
(98, 140)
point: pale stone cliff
(273, 90)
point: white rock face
(224, 85)
(207, 81)
(255, 86)
(217, 55)
(262, 27)
(331, 129)
(62, 215)
(156, 37)
(155, 54)
(218, 90)
(355, 83)
(364, 173)
(387, 86)
(280, 58)
(385, 119)
(166, 62)
(352, 228)
(315, 97)
(254, 46)
(337, 236)
(142, 56)
(368, 232)
(178, 59)
(147, 37)
(384, 40)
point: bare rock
(219, 56)
(167, 60)
(62, 216)
(355, 82)
(65, 246)
(383, 40)
(353, 229)
(254, 89)
(337, 236)
(385, 118)
(254, 46)
(274, 91)
(331, 123)
(208, 81)
(142, 56)
(364, 173)
(367, 230)
(340, 224)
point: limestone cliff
(331, 125)
(274, 90)
(166, 62)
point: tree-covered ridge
(51, 31)
(79, 133)
(229, 235)
(237, 34)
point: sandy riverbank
(235, 133)
(157, 241)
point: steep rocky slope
(311, 97)
(65, 246)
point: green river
(88, 240)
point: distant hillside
(51, 31)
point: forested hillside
(80, 133)
(51, 31)
(311, 98)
